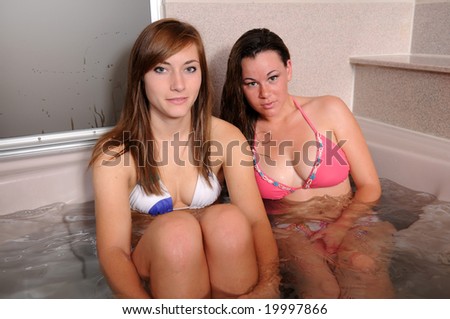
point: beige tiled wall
(431, 32)
(412, 99)
(321, 36)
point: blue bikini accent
(152, 204)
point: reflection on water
(50, 252)
(421, 263)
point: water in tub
(50, 252)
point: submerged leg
(305, 266)
(363, 262)
(170, 255)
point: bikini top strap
(304, 116)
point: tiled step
(409, 91)
(418, 62)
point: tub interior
(47, 224)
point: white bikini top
(152, 204)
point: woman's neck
(166, 129)
(284, 114)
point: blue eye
(273, 78)
(159, 69)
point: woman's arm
(243, 191)
(112, 180)
(362, 170)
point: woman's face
(265, 82)
(172, 86)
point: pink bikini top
(330, 168)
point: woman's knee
(366, 250)
(174, 239)
(227, 227)
(357, 262)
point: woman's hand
(331, 237)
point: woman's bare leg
(171, 255)
(229, 248)
(363, 262)
(305, 265)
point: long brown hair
(234, 107)
(132, 133)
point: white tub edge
(33, 181)
(415, 160)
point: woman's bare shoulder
(109, 152)
(327, 108)
(112, 161)
(224, 131)
(322, 103)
